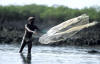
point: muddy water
(48, 55)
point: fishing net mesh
(66, 29)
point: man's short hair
(31, 18)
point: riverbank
(88, 36)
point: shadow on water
(26, 59)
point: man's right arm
(29, 29)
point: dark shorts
(28, 39)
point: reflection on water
(26, 60)
(48, 55)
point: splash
(66, 29)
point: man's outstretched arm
(29, 29)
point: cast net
(66, 29)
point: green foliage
(46, 17)
(42, 13)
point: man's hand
(34, 32)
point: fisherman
(30, 29)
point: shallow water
(48, 55)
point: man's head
(31, 19)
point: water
(48, 55)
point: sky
(70, 3)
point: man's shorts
(28, 39)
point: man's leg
(29, 46)
(22, 46)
